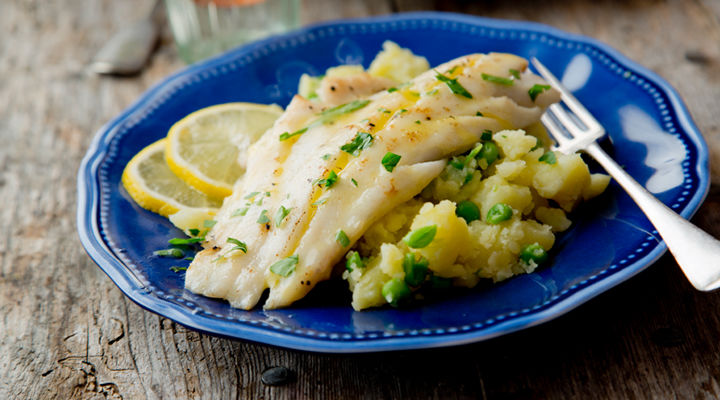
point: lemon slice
(207, 148)
(153, 186)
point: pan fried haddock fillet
(316, 180)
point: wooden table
(66, 331)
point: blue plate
(652, 136)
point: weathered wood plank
(67, 332)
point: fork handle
(696, 252)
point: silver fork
(696, 252)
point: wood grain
(67, 332)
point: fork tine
(556, 131)
(580, 111)
(564, 117)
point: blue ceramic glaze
(651, 131)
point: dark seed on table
(276, 376)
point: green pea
(489, 152)
(498, 213)
(467, 210)
(395, 291)
(415, 270)
(533, 252)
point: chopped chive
(361, 141)
(548, 157)
(497, 79)
(209, 223)
(263, 218)
(342, 238)
(182, 241)
(421, 237)
(486, 135)
(331, 113)
(240, 212)
(473, 153)
(354, 182)
(353, 261)
(384, 110)
(451, 70)
(454, 85)
(259, 201)
(194, 232)
(479, 114)
(418, 122)
(431, 92)
(174, 253)
(267, 194)
(178, 269)
(326, 157)
(390, 160)
(515, 73)
(189, 258)
(251, 195)
(286, 135)
(317, 203)
(395, 291)
(238, 245)
(392, 89)
(456, 163)
(538, 144)
(415, 270)
(286, 266)
(498, 213)
(535, 91)
(280, 215)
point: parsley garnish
(240, 212)
(286, 135)
(473, 153)
(194, 232)
(317, 203)
(431, 92)
(251, 195)
(181, 241)
(390, 160)
(263, 218)
(497, 79)
(418, 122)
(329, 181)
(178, 269)
(327, 116)
(486, 135)
(326, 157)
(209, 223)
(361, 141)
(353, 261)
(354, 182)
(535, 91)
(515, 73)
(384, 110)
(392, 89)
(285, 267)
(280, 215)
(548, 157)
(174, 253)
(402, 110)
(478, 114)
(454, 85)
(342, 238)
(238, 245)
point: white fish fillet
(423, 122)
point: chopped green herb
(486, 135)
(326, 157)
(390, 160)
(329, 181)
(354, 182)
(416, 94)
(259, 201)
(548, 157)
(312, 95)
(468, 211)
(403, 110)
(473, 153)
(421, 237)
(267, 194)
(384, 110)
(263, 218)
(440, 283)
(342, 238)
(286, 135)
(361, 141)
(457, 163)
(174, 253)
(418, 122)
(431, 92)
(240, 212)
(178, 269)
(392, 89)
(286, 266)
(538, 144)
(497, 79)
(251, 195)
(280, 215)
(451, 70)
(415, 269)
(331, 113)
(479, 114)
(353, 261)
(189, 258)
(515, 73)
(468, 178)
(535, 91)
(498, 213)
(238, 245)
(182, 241)
(194, 232)
(454, 85)
(394, 291)
(317, 203)
(533, 252)
(209, 223)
